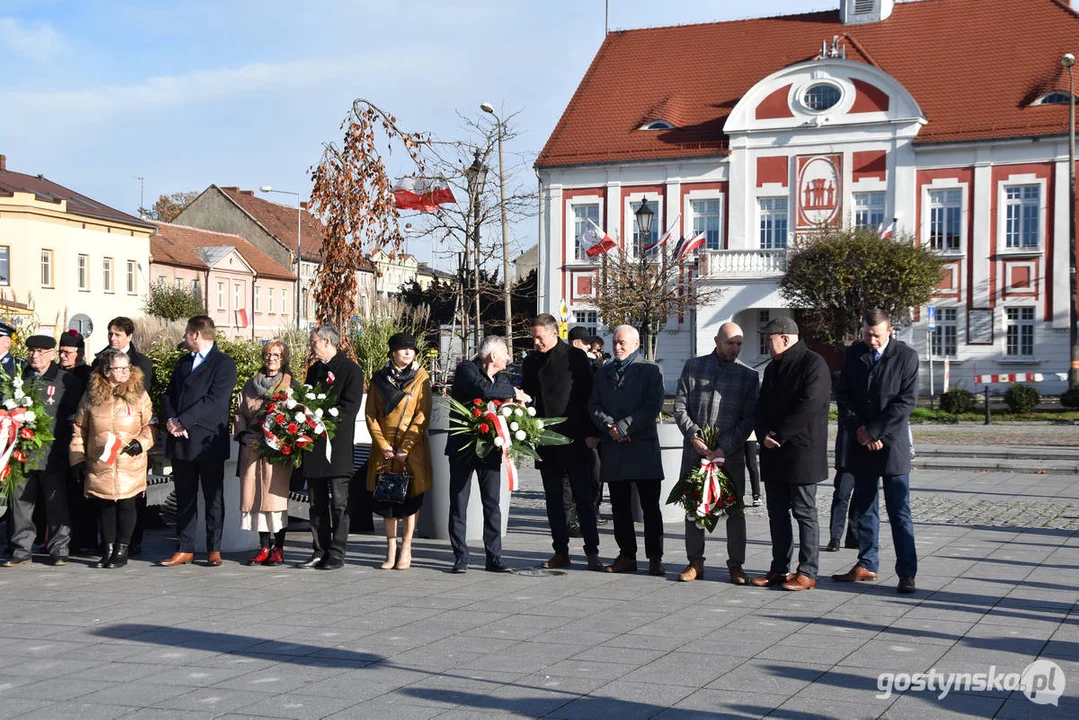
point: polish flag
(241, 317)
(886, 232)
(595, 241)
(663, 240)
(697, 241)
(421, 194)
(111, 451)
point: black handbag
(392, 487)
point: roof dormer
(862, 12)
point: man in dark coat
(8, 362)
(59, 393)
(81, 509)
(842, 513)
(878, 389)
(481, 378)
(792, 428)
(627, 397)
(328, 478)
(559, 379)
(196, 407)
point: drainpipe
(254, 279)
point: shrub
(247, 354)
(957, 401)
(1070, 398)
(1021, 398)
(370, 338)
(173, 303)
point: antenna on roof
(606, 17)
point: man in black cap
(72, 356)
(8, 362)
(59, 393)
(83, 514)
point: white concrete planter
(233, 539)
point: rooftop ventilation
(862, 12)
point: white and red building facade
(877, 112)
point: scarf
(264, 385)
(390, 383)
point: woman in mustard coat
(398, 412)
(114, 427)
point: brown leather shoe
(213, 559)
(692, 572)
(738, 575)
(623, 564)
(770, 579)
(906, 585)
(178, 558)
(800, 582)
(558, 560)
(856, 574)
(594, 563)
(655, 567)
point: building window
(653, 233)
(161, 282)
(1019, 331)
(1023, 216)
(706, 220)
(1057, 97)
(284, 302)
(83, 265)
(945, 219)
(132, 270)
(943, 337)
(763, 317)
(196, 290)
(46, 268)
(5, 265)
(269, 300)
(258, 300)
(821, 96)
(773, 223)
(868, 210)
(179, 283)
(588, 319)
(237, 297)
(221, 296)
(581, 215)
(106, 274)
(303, 303)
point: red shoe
(276, 558)
(260, 557)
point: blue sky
(244, 92)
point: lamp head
(487, 108)
(266, 188)
(1067, 60)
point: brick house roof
(973, 66)
(280, 221)
(179, 245)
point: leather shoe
(14, 562)
(771, 578)
(213, 559)
(856, 574)
(692, 572)
(655, 567)
(738, 575)
(558, 560)
(594, 563)
(260, 557)
(58, 560)
(331, 564)
(497, 566)
(311, 563)
(833, 546)
(178, 558)
(460, 566)
(623, 564)
(906, 585)
(800, 582)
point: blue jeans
(867, 528)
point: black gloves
(133, 448)
(78, 473)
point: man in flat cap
(8, 362)
(81, 510)
(59, 393)
(792, 427)
(72, 355)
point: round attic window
(821, 97)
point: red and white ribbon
(111, 450)
(502, 430)
(8, 429)
(712, 490)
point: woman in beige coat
(263, 486)
(398, 412)
(114, 426)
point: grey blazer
(631, 404)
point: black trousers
(188, 476)
(490, 480)
(52, 487)
(784, 500)
(843, 509)
(751, 448)
(621, 494)
(140, 518)
(576, 468)
(329, 516)
(82, 511)
(117, 520)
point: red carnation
(26, 433)
(476, 412)
(19, 455)
(271, 407)
(485, 428)
(279, 419)
(303, 441)
(477, 402)
(292, 428)
(286, 450)
(498, 403)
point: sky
(185, 93)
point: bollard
(988, 417)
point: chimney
(3, 162)
(231, 188)
(303, 204)
(862, 12)
(248, 192)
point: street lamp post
(644, 214)
(299, 220)
(477, 178)
(507, 304)
(1068, 61)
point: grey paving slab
(298, 706)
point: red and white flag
(423, 194)
(241, 317)
(694, 243)
(111, 451)
(595, 241)
(886, 232)
(663, 240)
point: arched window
(657, 125)
(1057, 97)
(821, 96)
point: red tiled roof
(77, 203)
(973, 66)
(280, 221)
(179, 245)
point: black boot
(106, 556)
(119, 557)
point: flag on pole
(423, 194)
(663, 240)
(886, 232)
(694, 243)
(595, 241)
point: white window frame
(587, 318)
(196, 290)
(258, 299)
(284, 302)
(943, 185)
(107, 278)
(761, 200)
(238, 296)
(132, 277)
(940, 342)
(1014, 181)
(1020, 323)
(869, 195)
(629, 220)
(304, 302)
(691, 217)
(5, 265)
(221, 295)
(763, 318)
(46, 268)
(571, 223)
(269, 301)
(82, 272)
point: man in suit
(715, 389)
(627, 397)
(328, 477)
(791, 423)
(559, 379)
(878, 389)
(59, 393)
(481, 378)
(196, 407)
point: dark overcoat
(343, 381)
(470, 381)
(631, 403)
(202, 400)
(560, 383)
(793, 404)
(59, 392)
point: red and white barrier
(1008, 378)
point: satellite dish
(82, 324)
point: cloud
(39, 42)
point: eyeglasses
(39, 351)
(120, 369)
(70, 351)
(272, 356)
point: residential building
(392, 272)
(427, 275)
(526, 262)
(948, 116)
(70, 260)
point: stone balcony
(749, 264)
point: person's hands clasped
(387, 453)
(400, 456)
(701, 447)
(769, 441)
(522, 396)
(591, 442)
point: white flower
(307, 387)
(320, 429)
(333, 412)
(19, 394)
(520, 435)
(17, 381)
(514, 426)
(699, 526)
(318, 413)
(499, 442)
(290, 403)
(29, 416)
(320, 396)
(10, 404)
(701, 513)
(539, 424)
(531, 412)
(507, 411)
(27, 401)
(518, 412)
(300, 417)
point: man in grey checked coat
(716, 389)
